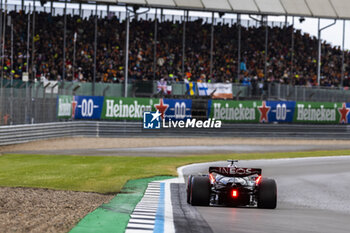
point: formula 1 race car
(232, 186)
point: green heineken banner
(127, 108)
(110, 108)
(235, 111)
(64, 106)
(280, 111)
(314, 112)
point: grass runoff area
(108, 174)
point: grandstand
(77, 50)
(287, 61)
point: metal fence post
(155, 45)
(33, 70)
(29, 103)
(211, 45)
(126, 69)
(43, 105)
(266, 45)
(11, 105)
(95, 53)
(64, 41)
(52, 88)
(343, 56)
(239, 45)
(1, 103)
(183, 44)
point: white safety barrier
(31, 132)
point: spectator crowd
(48, 55)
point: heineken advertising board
(64, 106)
(133, 108)
(107, 108)
(177, 109)
(235, 111)
(324, 113)
(87, 107)
(252, 111)
(127, 108)
(79, 107)
(280, 111)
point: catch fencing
(32, 103)
(301, 93)
(27, 105)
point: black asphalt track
(313, 196)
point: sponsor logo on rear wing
(235, 171)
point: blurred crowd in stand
(48, 56)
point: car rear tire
(267, 195)
(200, 191)
(189, 188)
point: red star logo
(74, 106)
(344, 112)
(161, 107)
(264, 110)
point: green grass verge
(109, 174)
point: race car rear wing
(235, 171)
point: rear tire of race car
(200, 191)
(267, 195)
(189, 188)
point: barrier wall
(111, 108)
(30, 132)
